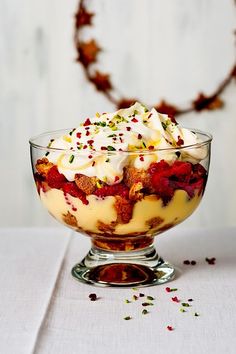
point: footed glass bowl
(122, 219)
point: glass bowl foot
(123, 269)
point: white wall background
(154, 49)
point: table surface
(44, 310)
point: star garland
(87, 55)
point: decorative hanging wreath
(87, 53)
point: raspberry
(158, 167)
(167, 178)
(180, 168)
(162, 185)
(199, 171)
(72, 189)
(116, 189)
(55, 179)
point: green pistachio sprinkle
(164, 125)
(127, 301)
(110, 148)
(127, 318)
(185, 304)
(144, 145)
(134, 289)
(150, 298)
(145, 312)
(101, 124)
(136, 112)
(70, 133)
(71, 159)
(196, 314)
(182, 310)
(111, 135)
(107, 160)
(147, 304)
(145, 108)
(49, 145)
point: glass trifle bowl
(122, 178)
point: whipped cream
(99, 146)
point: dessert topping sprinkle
(168, 290)
(93, 297)
(170, 328)
(71, 159)
(210, 261)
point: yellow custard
(149, 214)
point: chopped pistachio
(71, 159)
(111, 135)
(150, 298)
(145, 108)
(145, 312)
(70, 133)
(164, 125)
(110, 148)
(144, 145)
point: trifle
(122, 178)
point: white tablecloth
(44, 310)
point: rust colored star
(88, 52)
(101, 81)
(124, 103)
(83, 17)
(234, 72)
(167, 108)
(204, 102)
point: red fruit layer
(72, 189)
(162, 178)
(117, 189)
(58, 181)
(167, 178)
(55, 179)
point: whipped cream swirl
(99, 146)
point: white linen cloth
(44, 310)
